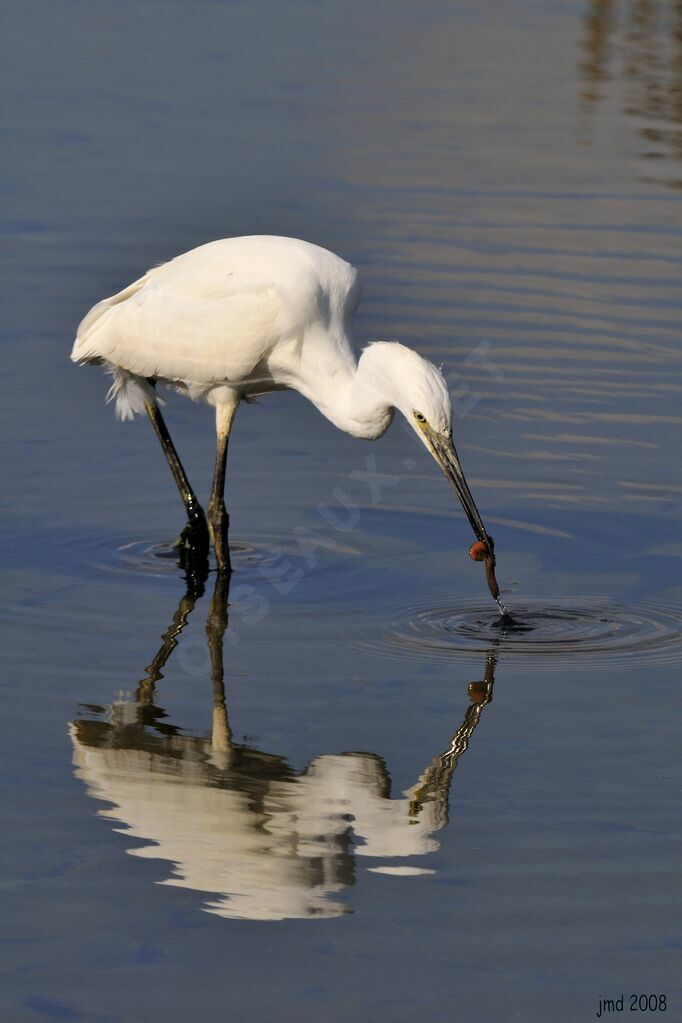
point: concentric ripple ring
(556, 630)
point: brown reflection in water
(239, 824)
(640, 43)
(434, 784)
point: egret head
(418, 389)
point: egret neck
(361, 400)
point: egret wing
(200, 327)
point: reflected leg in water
(146, 687)
(216, 626)
(434, 784)
(257, 838)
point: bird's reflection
(641, 43)
(263, 841)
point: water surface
(350, 792)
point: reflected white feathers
(257, 839)
(263, 848)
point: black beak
(446, 455)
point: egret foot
(192, 546)
(219, 524)
(195, 537)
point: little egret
(241, 317)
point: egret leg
(218, 519)
(194, 536)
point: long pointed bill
(448, 459)
(445, 453)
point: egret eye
(419, 417)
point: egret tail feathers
(130, 392)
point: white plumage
(217, 314)
(245, 316)
(255, 314)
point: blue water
(376, 802)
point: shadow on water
(239, 824)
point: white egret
(241, 317)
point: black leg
(194, 537)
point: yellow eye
(419, 417)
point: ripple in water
(539, 632)
(143, 556)
(102, 552)
(162, 558)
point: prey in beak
(443, 450)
